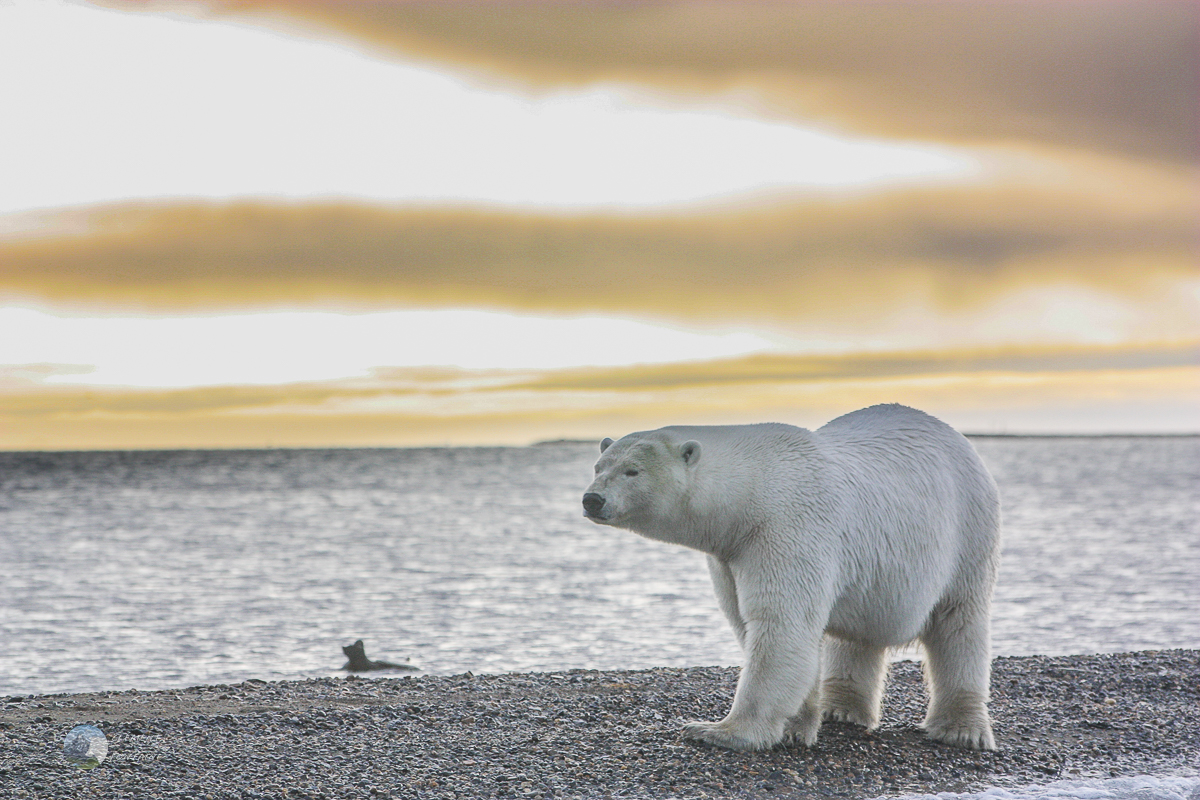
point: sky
(280, 117)
(249, 224)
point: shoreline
(587, 733)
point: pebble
(591, 734)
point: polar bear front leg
(781, 672)
(726, 591)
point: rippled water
(162, 569)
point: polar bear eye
(631, 472)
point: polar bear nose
(592, 503)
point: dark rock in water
(359, 662)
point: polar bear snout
(593, 503)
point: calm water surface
(167, 569)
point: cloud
(786, 368)
(436, 385)
(1076, 207)
(1058, 293)
(1031, 390)
(1117, 75)
(231, 110)
(945, 262)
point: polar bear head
(641, 482)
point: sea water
(164, 569)
(154, 570)
(1139, 787)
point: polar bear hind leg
(853, 686)
(803, 728)
(957, 669)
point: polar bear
(877, 529)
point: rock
(360, 663)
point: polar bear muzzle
(592, 504)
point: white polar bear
(877, 529)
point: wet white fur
(878, 528)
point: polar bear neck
(728, 496)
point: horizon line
(540, 443)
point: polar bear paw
(803, 728)
(731, 737)
(960, 719)
(971, 734)
(844, 702)
(856, 716)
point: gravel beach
(591, 734)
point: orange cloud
(1097, 389)
(850, 261)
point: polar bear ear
(605, 443)
(690, 451)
